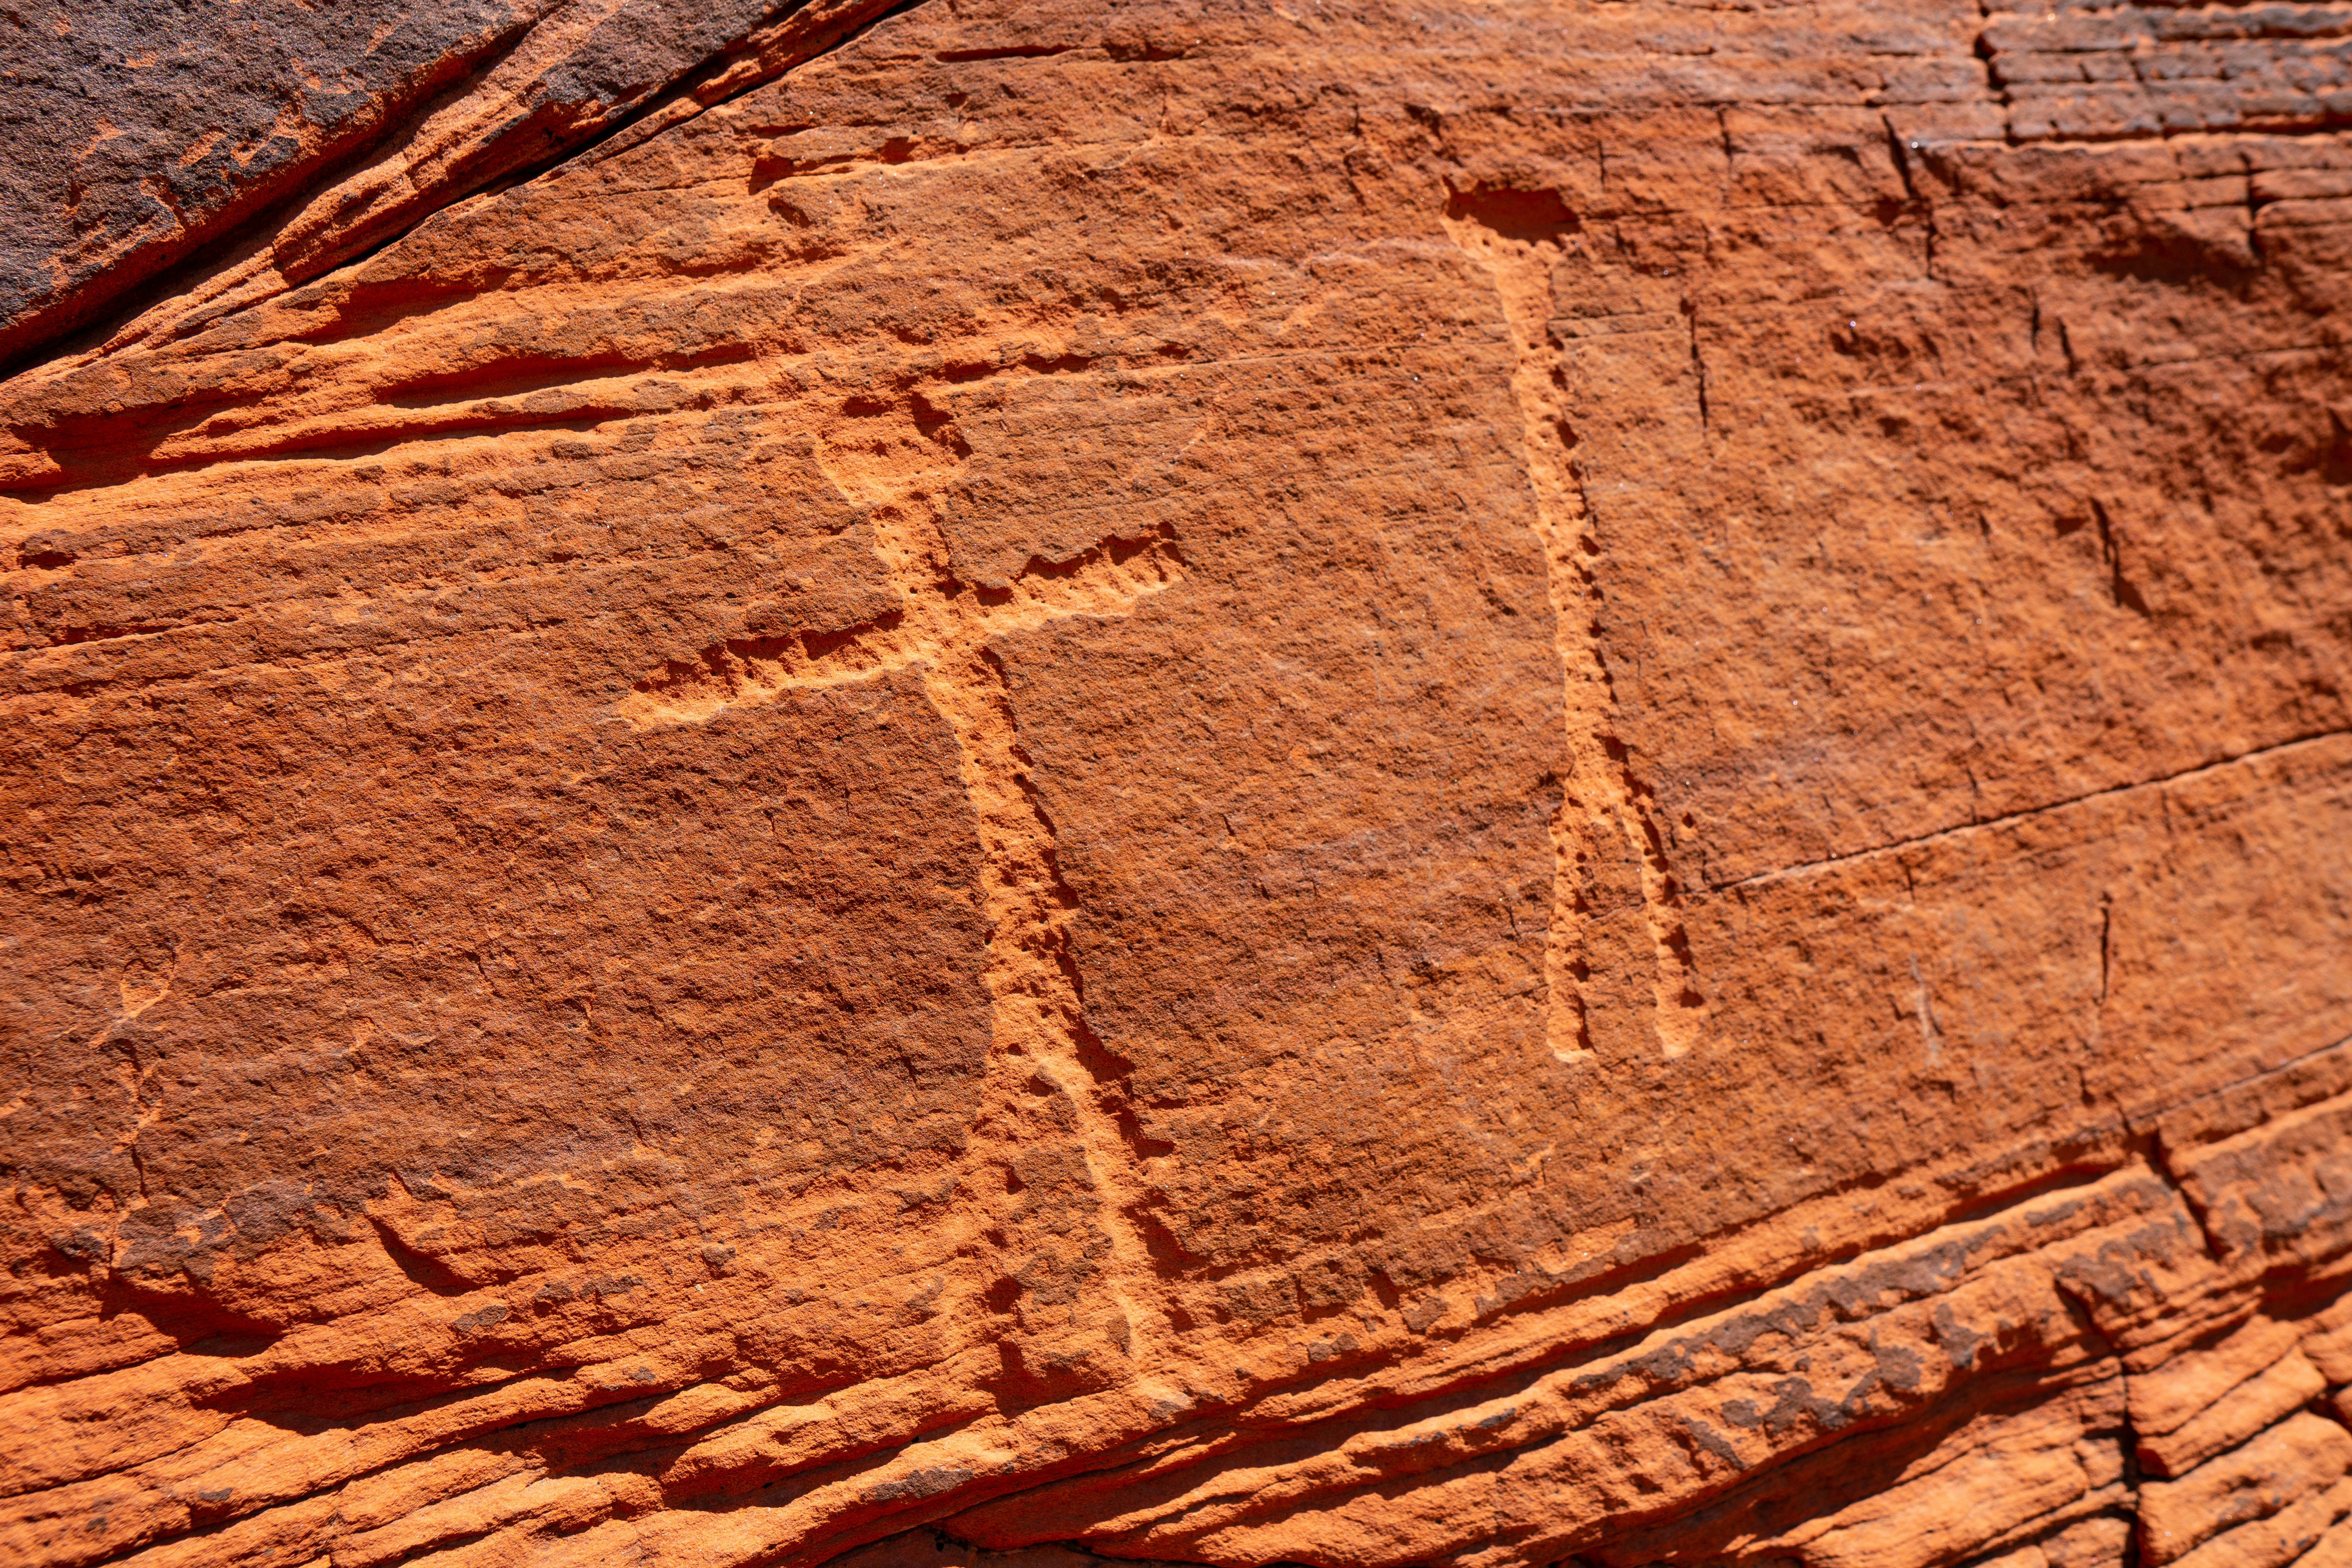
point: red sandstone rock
(1179, 783)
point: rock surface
(1186, 782)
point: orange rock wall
(1245, 784)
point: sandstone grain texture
(1033, 785)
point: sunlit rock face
(1016, 786)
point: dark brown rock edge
(1187, 784)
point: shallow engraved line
(2148, 1118)
(1961, 829)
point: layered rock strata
(1178, 782)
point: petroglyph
(1516, 236)
(943, 630)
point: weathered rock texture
(1356, 785)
